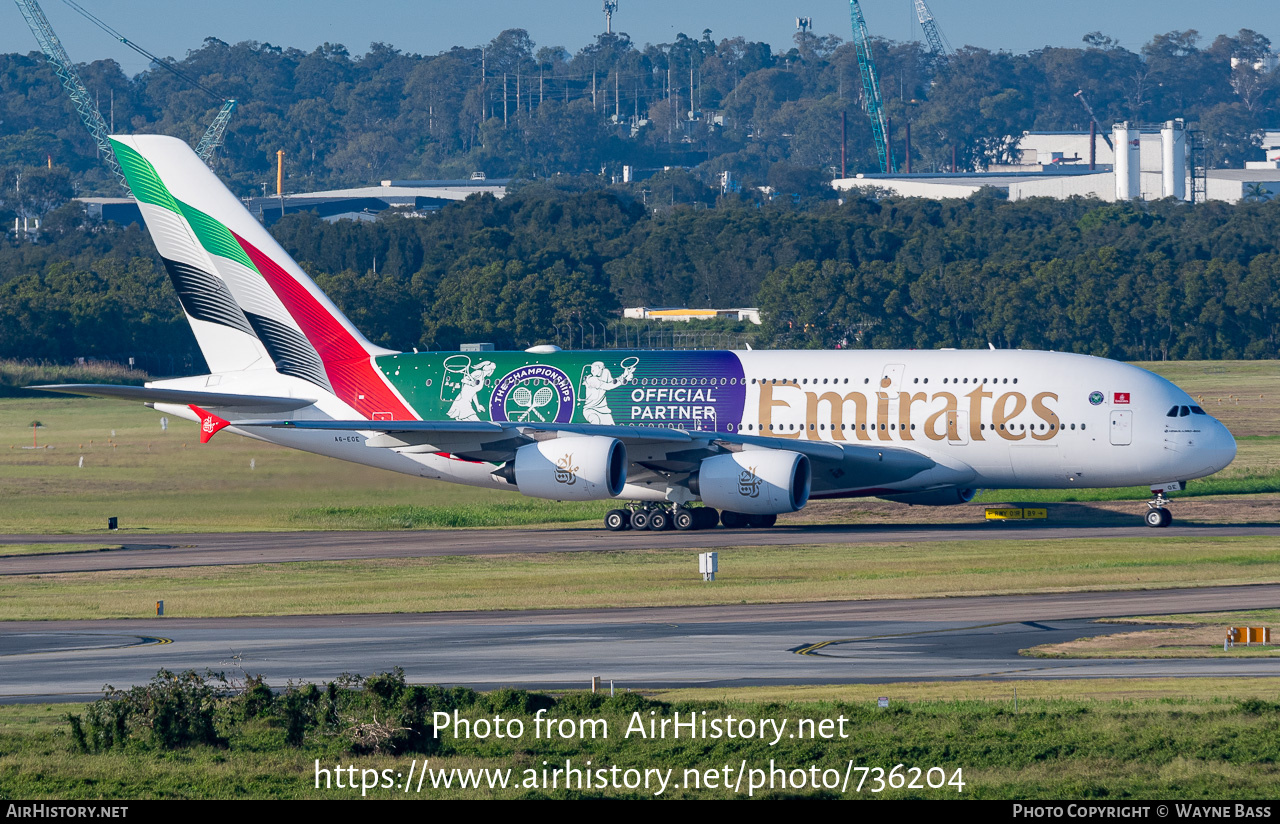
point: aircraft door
(1121, 428)
(891, 378)
(957, 427)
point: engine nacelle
(934, 497)
(755, 482)
(570, 469)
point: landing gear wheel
(640, 519)
(617, 520)
(733, 520)
(762, 520)
(1157, 516)
(659, 520)
(706, 517)
(684, 519)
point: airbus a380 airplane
(752, 434)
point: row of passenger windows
(791, 427)
(893, 427)
(775, 381)
(1183, 411)
(805, 381)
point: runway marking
(142, 641)
(812, 649)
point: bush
(176, 711)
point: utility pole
(844, 142)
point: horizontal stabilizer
(182, 397)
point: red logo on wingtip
(210, 423)
(1121, 397)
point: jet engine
(755, 482)
(934, 497)
(569, 469)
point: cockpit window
(1172, 413)
(1198, 411)
(1183, 411)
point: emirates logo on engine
(749, 483)
(566, 472)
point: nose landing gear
(1157, 515)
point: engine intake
(587, 468)
(755, 482)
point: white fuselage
(986, 418)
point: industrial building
(1153, 163)
(412, 198)
(751, 315)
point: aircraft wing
(182, 397)
(656, 455)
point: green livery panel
(702, 391)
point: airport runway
(159, 551)
(735, 645)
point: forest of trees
(513, 108)
(1137, 281)
(1133, 281)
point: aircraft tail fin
(249, 304)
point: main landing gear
(658, 517)
(1157, 516)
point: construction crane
(66, 70)
(938, 42)
(871, 88)
(1080, 96)
(54, 52)
(212, 138)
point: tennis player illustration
(595, 406)
(467, 405)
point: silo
(1128, 167)
(1173, 151)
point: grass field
(44, 549)
(168, 481)
(645, 578)
(1216, 746)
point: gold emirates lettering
(941, 422)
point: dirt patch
(1165, 642)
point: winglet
(209, 423)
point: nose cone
(1220, 448)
